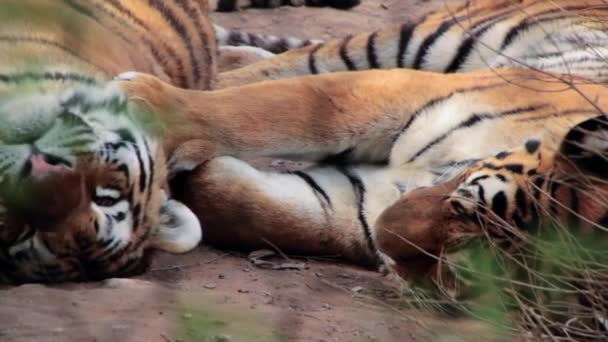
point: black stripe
(152, 169)
(475, 181)
(443, 28)
(475, 32)
(136, 210)
(515, 168)
(430, 40)
(553, 188)
(314, 185)
(338, 158)
(46, 76)
(471, 121)
(226, 5)
(171, 18)
(359, 189)
(463, 52)
(372, 58)
(521, 202)
(407, 30)
(481, 197)
(81, 9)
(91, 14)
(538, 187)
(344, 53)
(180, 77)
(502, 155)
(142, 171)
(441, 99)
(604, 220)
(197, 19)
(535, 20)
(499, 204)
(312, 63)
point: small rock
(210, 286)
(243, 291)
(326, 306)
(187, 315)
(357, 289)
(221, 276)
(220, 338)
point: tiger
(543, 205)
(376, 134)
(83, 193)
(564, 36)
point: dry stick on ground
(277, 249)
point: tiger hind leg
(324, 210)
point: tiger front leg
(352, 117)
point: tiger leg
(350, 117)
(270, 43)
(324, 210)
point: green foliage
(550, 285)
(203, 321)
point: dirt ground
(211, 295)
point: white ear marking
(179, 229)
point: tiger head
(500, 199)
(82, 181)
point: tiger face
(81, 189)
(501, 199)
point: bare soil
(211, 295)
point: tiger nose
(41, 166)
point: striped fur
(377, 134)
(64, 128)
(386, 133)
(266, 42)
(540, 211)
(232, 5)
(565, 36)
(95, 169)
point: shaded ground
(210, 295)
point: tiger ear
(179, 230)
(585, 147)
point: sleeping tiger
(82, 177)
(565, 36)
(377, 134)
